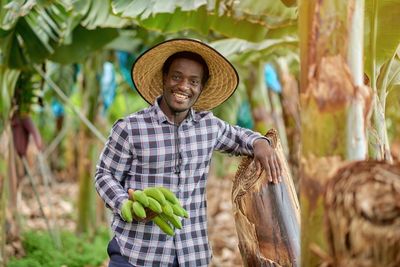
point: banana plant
(328, 88)
(249, 20)
(8, 79)
(382, 39)
(30, 31)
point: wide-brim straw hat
(148, 78)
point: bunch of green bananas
(158, 200)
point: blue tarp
(271, 79)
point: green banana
(154, 205)
(176, 222)
(164, 226)
(167, 209)
(177, 210)
(185, 213)
(138, 210)
(156, 194)
(169, 195)
(126, 212)
(140, 196)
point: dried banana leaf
(362, 213)
(267, 216)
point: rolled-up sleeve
(113, 166)
(235, 140)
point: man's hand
(265, 157)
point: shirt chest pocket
(156, 160)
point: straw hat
(147, 72)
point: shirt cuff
(265, 138)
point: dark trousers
(118, 260)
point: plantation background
(65, 66)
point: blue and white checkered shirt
(144, 150)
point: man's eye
(195, 82)
(176, 77)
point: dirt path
(63, 195)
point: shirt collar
(161, 117)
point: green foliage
(249, 20)
(8, 79)
(75, 251)
(84, 42)
(126, 101)
(384, 14)
(31, 31)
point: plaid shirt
(144, 150)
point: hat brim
(147, 72)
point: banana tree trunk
(291, 117)
(3, 195)
(363, 215)
(257, 95)
(91, 92)
(357, 145)
(8, 80)
(267, 216)
(326, 94)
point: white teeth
(180, 96)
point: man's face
(182, 84)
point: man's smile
(180, 96)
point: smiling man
(170, 144)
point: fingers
(274, 171)
(130, 193)
(272, 167)
(268, 171)
(280, 169)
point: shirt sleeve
(113, 166)
(236, 140)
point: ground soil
(62, 196)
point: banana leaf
(8, 79)
(381, 42)
(84, 43)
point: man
(170, 144)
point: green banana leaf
(84, 43)
(386, 16)
(389, 75)
(8, 79)
(275, 13)
(239, 19)
(30, 35)
(244, 52)
(97, 13)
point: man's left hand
(266, 157)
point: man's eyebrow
(179, 72)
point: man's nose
(184, 84)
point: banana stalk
(267, 216)
(363, 216)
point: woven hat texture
(147, 72)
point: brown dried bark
(267, 216)
(362, 204)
